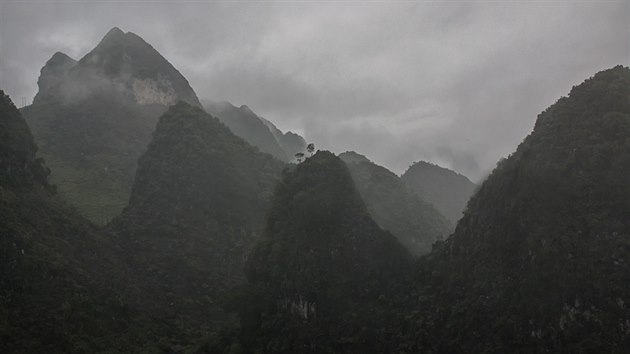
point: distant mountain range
(447, 190)
(323, 271)
(219, 246)
(539, 262)
(94, 117)
(257, 130)
(395, 207)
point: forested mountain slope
(198, 205)
(324, 276)
(94, 117)
(540, 260)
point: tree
(299, 156)
(310, 148)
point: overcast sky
(458, 83)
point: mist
(458, 83)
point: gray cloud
(456, 83)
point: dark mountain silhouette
(415, 223)
(447, 190)
(324, 274)
(539, 261)
(62, 288)
(198, 204)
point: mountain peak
(128, 59)
(446, 189)
(394, 207)
(353, 157)
(113, 34)
(246, 109)
(53, 74)
(550, 224)
(60, 58)
(321, 250)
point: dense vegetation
(539, 261)
(447, 190)
(324, 275)
(416, 224)
(197, 206)
(57, 273)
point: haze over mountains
(94, 117)
(447, 190)
(258, 131)
(213, 240)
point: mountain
(324, 274)
(198, 204)
(121, 62)
(62, 288)
(256, 130)
(447, 190)
(540, 260)
(395, 208)
(93, 118)
(290, 142)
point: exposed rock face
(197, 207)
(123, 63)
(54, 73)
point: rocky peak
(54, 73)
(129, 62)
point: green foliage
(197, 206)
(416, 224)
(538, 263)
(324, 276)
(540, 258)
(243, 122)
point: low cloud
(455, 83)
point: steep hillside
(257, 130)
(290, 142)
(324, 276)
(93, 118)
(395, 208)
(539, 261)
(57, 273)
(447, 190)
(197, 206)
(247, 125)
